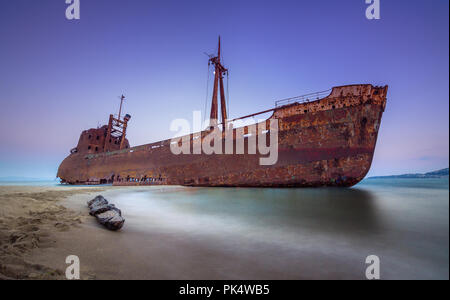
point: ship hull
(329, 142)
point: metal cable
(207, 90)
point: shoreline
(186, 233)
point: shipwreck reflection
(352, 211)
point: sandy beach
(31, 218)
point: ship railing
(303, 98)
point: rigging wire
(228, 91)
(207, 90)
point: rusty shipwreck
(324, 139)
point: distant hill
(440, 173)
(434, 174)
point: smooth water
(43, 183)
(304, 233)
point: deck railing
(304, 98)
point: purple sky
(59, 77)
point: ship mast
(219, 71)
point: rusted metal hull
(329, 142)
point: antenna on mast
(121, 102)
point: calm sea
(30, 183)
(304, 233)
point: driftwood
(106, 214)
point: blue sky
(59, 77)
